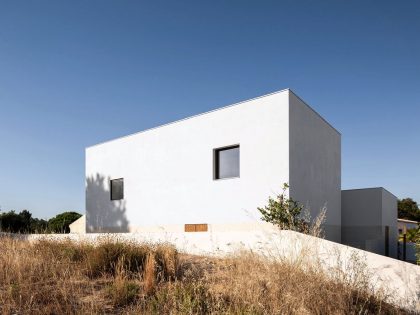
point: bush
(284, 212)
(105, 257)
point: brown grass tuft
(122, 291)
(166, 257)
(149, 275)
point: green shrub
(284, 212)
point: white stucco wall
(168, 171)
(78, 226)
(315, 165)
(365, 213)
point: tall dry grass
(52, 277)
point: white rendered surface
(168, 170)
(78, 226)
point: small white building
(216, 169)
(78, 226)
(405, 225)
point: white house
(216, 168)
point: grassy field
(51, 277)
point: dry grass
(51, 277)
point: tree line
(23, 222)
(408, 209)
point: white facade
(78, 226)
(168, 170)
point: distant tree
(25, 218)
(413, 235)
(408, 209)
(8, 221)
(23, 222)
(39, 226)
(15, 222)
(60, 223)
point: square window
(226, 162)
(117, 189)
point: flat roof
(214, 110)
(370, 188)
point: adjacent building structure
(405, 225)
(369, 220)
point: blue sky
(74, 73)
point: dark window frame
(111, 192)
(216, 162)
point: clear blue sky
(74, 73)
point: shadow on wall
(103, 215)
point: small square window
(117, 189)
(226, 162)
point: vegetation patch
(113, 277)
